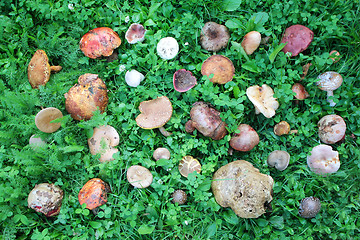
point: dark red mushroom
(297, 39)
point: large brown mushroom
(94, 193)
(214, 37)
(222, 68)
(297, 39)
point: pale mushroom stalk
(164, 132)
(329, 81)
(330, 101)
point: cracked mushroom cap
(282, 128)
(323, 160)
(297, 39)
(329, 81)
(46, 198)
(331, 129)
(183, 80)
(214, 37)
(44, 117)
(154, 113)
(161, 153)
(139, 176)
(99, 42)
(263, 100)
(278, 159)
(309, 207)
(251, 42)
(94, 193)
(135, 33)
(222, 68)
(103, 141)
(188, 164)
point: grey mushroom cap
(179, 196)
(278, 159)
(309, 207)
(214, 37)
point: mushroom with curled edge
(309, 207)
(323, 160)
(214, 37)
(94, 194)
(183, 80)
(278, 159)
(297, 38)
(39, 69)
(246, 139)
(44, 117)
(329, 81)
(161, 153)
(331, 129)
(188, 164)
(103, 141)
(263, 100)
(167, 48)
(135, 33)
(220, 66)
(251, 42)
(139, 176)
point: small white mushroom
(139, 176)
(329, 81)
(133, 78)
(36, 142)
(103, 141)
(167, 48)
(278, 159)
(161, 153)
(331, 128)
(135, 33)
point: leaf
(74, 148)
(251, 66)
(211, 230)
(231, 217)
(145, 229)
(95, 225)
(233, 23)
(162, 162)
(153, 9)
(273, 55)
(277, 222)
(260, 18)
(231, 5)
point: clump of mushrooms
(94, 193)
(309, 207)
(222, 68)
(331, 129)
(44, 117)
(167, 48)
(329, 81)
(103, 141)
(323, 160)
(278, 159)
(214, 37)
(133, 78)
(161, 153)
(251, 42)
(282, 128)
(188, 164)
(263, 100)
(139, 176)
(297, 39)
(183, 80)
(246, 139)
(135, 33)
(179, 196)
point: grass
(130, 213)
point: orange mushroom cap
(94, 193)
(222, 68)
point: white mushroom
(278, 159)
(323, 160)
(251, 42)
(167, 48)
(133, 78)
(331, 128)
(135, 33)
(161, 153)
(103, 141)
(329, 81)
(139, 177)
(263, 100)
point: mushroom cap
(331, 128)
(135, 33)
(246, 139)
(263, 100)
(300, 91)
(46, 198)
(240, 186)
(179, 196)
(94, 193)
(36, 142)
(39, 69)
(329, 81)
(154, 113)
(335, 56)
(85, 97)
(133, 78)
(103, 141)
(188, 164)
(282, 128)
(139, 176)
(323, 160)
(167, 48)
(222, 68)
(297, 39)
(278, 159)
(214, 37)
(309, 207)
(99, 42)
(251, 42)
(161, 153)
(44, 117)
(183, 80)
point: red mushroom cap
(94, 193)
(297, 39)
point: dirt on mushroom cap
(39, 69)
(94, 193)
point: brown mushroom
(94, 193)
(44, 117)
(246, 139)
(282, 128)
(300, 91)
(183, 80)
(179, 196)
(214, 37)
(188, 164)
(103, 141)
(139, 176)
(309, 207)
(251, 42)
(222, 68)
(135, 33)
(297, 39)
(263, 100)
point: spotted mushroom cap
(278, 159)
(179, 196)
(188, 164)
(331, 128)
(297, 39)
(167, 48)
(139, 176)
(329, 81)
(135, 33)
(214, 37)
(94, 193)
(103, 141)
(251, 42)
(323, 160)
(222, 68)
(263, 100)
(44, 117)
(309, 207)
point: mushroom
(222, 68)
(282, 128)
(39, 69)
(133, 78)
(103, 141)
(46, 198)
(278, 159)
(207, 121)
(188, 164)
(297, 39)
(300, 91)
(99, 42)
(214, 37)
(251, 42)
(305, 68)
(240, 186)
(246, 139)
(329, 81)
(94, 193)
(263, 100)
(86, 97)
(135, 33)
(331, 129)
(36, 142)
(167, 48)
(183, 80)
(335, 56)
(139, 176)
(179, 196)
(44, 117)
(309, 207)
(323, 160)
(161, 153)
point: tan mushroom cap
(263, 100)
(161, 153)
(154, 113)
(214, 36)
(329, 81)
(103, 141)
(139, 176)
(282, 128)
(188, 164)
(39, 69)
(251, 42)
(278, 159)
(44, 117)
(222, 68)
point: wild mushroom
(161, 153)
(167, 48)
(103, 141)
(246, 139)
(335, 56)
(39, 69)
(36, 142)
(300, 91)
(240, 186)
(183, 80)
(305, 68)
(135, 33)
(133, 78)
(44, 117)
(278, 159)
(179, 196)
(86, 97)
(222, 68)
(297, 39)
(282, 128)
(329, 81)
(99, 42)
(94, 193)
(207, 121)
(188, 164)
(46, 198)
(139, 176)
(214, 37)
(309, 207)
(331, 129)
(263, 100)
(323, 160)
(251, 42)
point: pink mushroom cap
(183, 80)
(323, 160)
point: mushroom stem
(164, 132)
(330, 94)
(55, 69)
